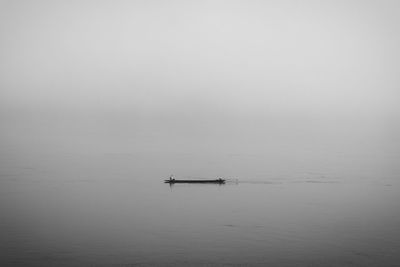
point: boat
(175, 181)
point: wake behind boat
(176, 181)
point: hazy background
(219, 76)
(259, 91)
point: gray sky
(238, 58)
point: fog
(301, 96)
(201, 68)
(224, 57)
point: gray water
(92, 197)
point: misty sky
(233, 56)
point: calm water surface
(101, 209)
(91, 196)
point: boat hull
(195, 181)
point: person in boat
(171, 179)
(220, 180)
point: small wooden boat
(216, 181)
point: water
(86, 200)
